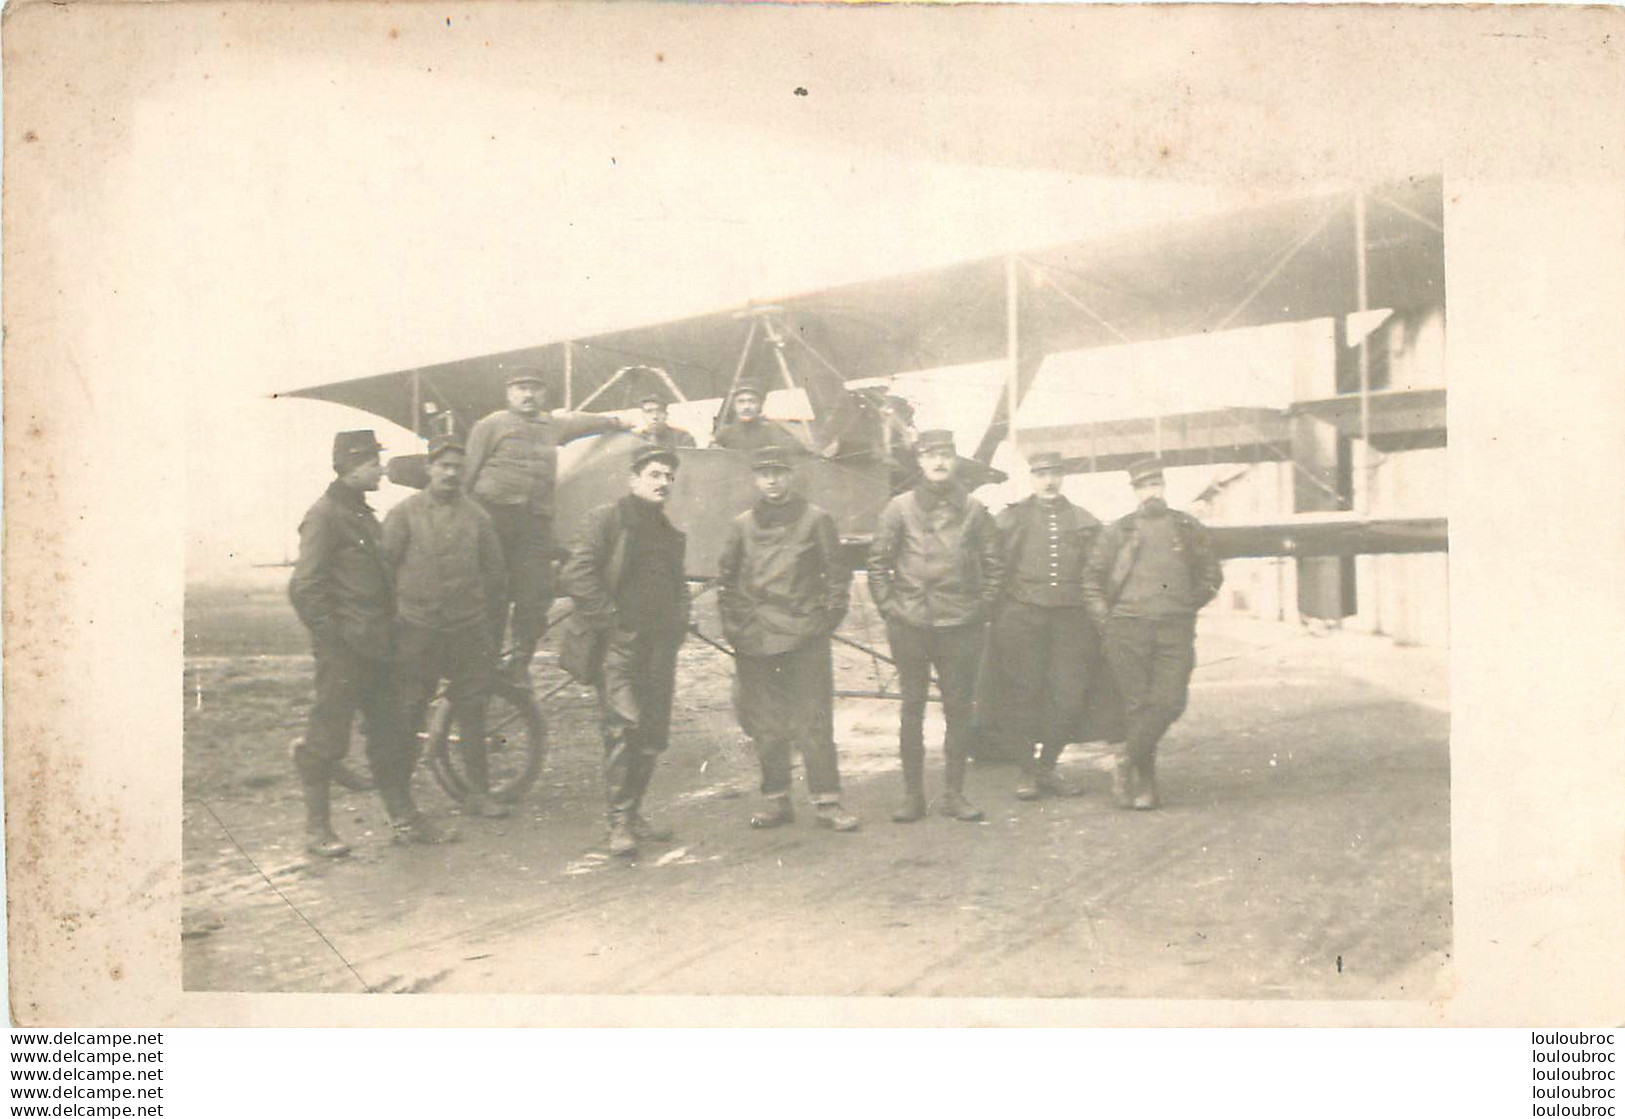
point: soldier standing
(783, 591)
(935, 574)
(748, 429)
(1149, 574)
(655, 427)
(1044, 652)
(625, 573)
(511, 468)
(343, 592)
(449, 580)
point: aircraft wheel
(515, 744)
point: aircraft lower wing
(1305, 536)
(1308, 535)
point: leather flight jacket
(342, 588)
(935, 560)
(1118, 548)
(782, 578)
(592, 574)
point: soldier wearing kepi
(511, 469)
(449, 580)
(625, 573)
(748, 429)
(783, 591)
(656, 429)
(1148, 575)
(935, 573)
(1044, 653)
(343, 592)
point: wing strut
(1024, 365)
(775, 339)
(1361, 298)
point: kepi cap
(440, 444)
(1046, 460)
(352, 448)
(653, 452)
(653, 398)
(1146, 470)
(770, 458)
(751, 387)
(937, 439)
(524, 375)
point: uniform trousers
(1151, 660)
(1046, 658)
(785, 703)
(954, 651)
(527, 553)
(635, 688)
(462, 656)
(347, 683)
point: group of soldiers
(1043, 626)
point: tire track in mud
(1156, 856)
(1146, 860)
(481, 933)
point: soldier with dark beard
(1149, 574)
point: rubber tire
(514, 766)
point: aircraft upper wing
(1282, 261)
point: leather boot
(836, 818)
(954, 803)
(406, 822)
(1027, 783)
(913, 806)
(777, 813)
(1145, 792)
(319, 837)
(1051, 783)
(621, 840)
(643, 768)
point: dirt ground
(1303, 850)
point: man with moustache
(449, 579)
(935, 574)
(343, 591)
(1044, 658)
(748, 429)
(511, 469)
(625, 574)
(1149, 574)
(783, 590)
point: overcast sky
(322, 222)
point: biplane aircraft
(1329, 256)
(1332, 256)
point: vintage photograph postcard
(653, 514)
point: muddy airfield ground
(1303, 850)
